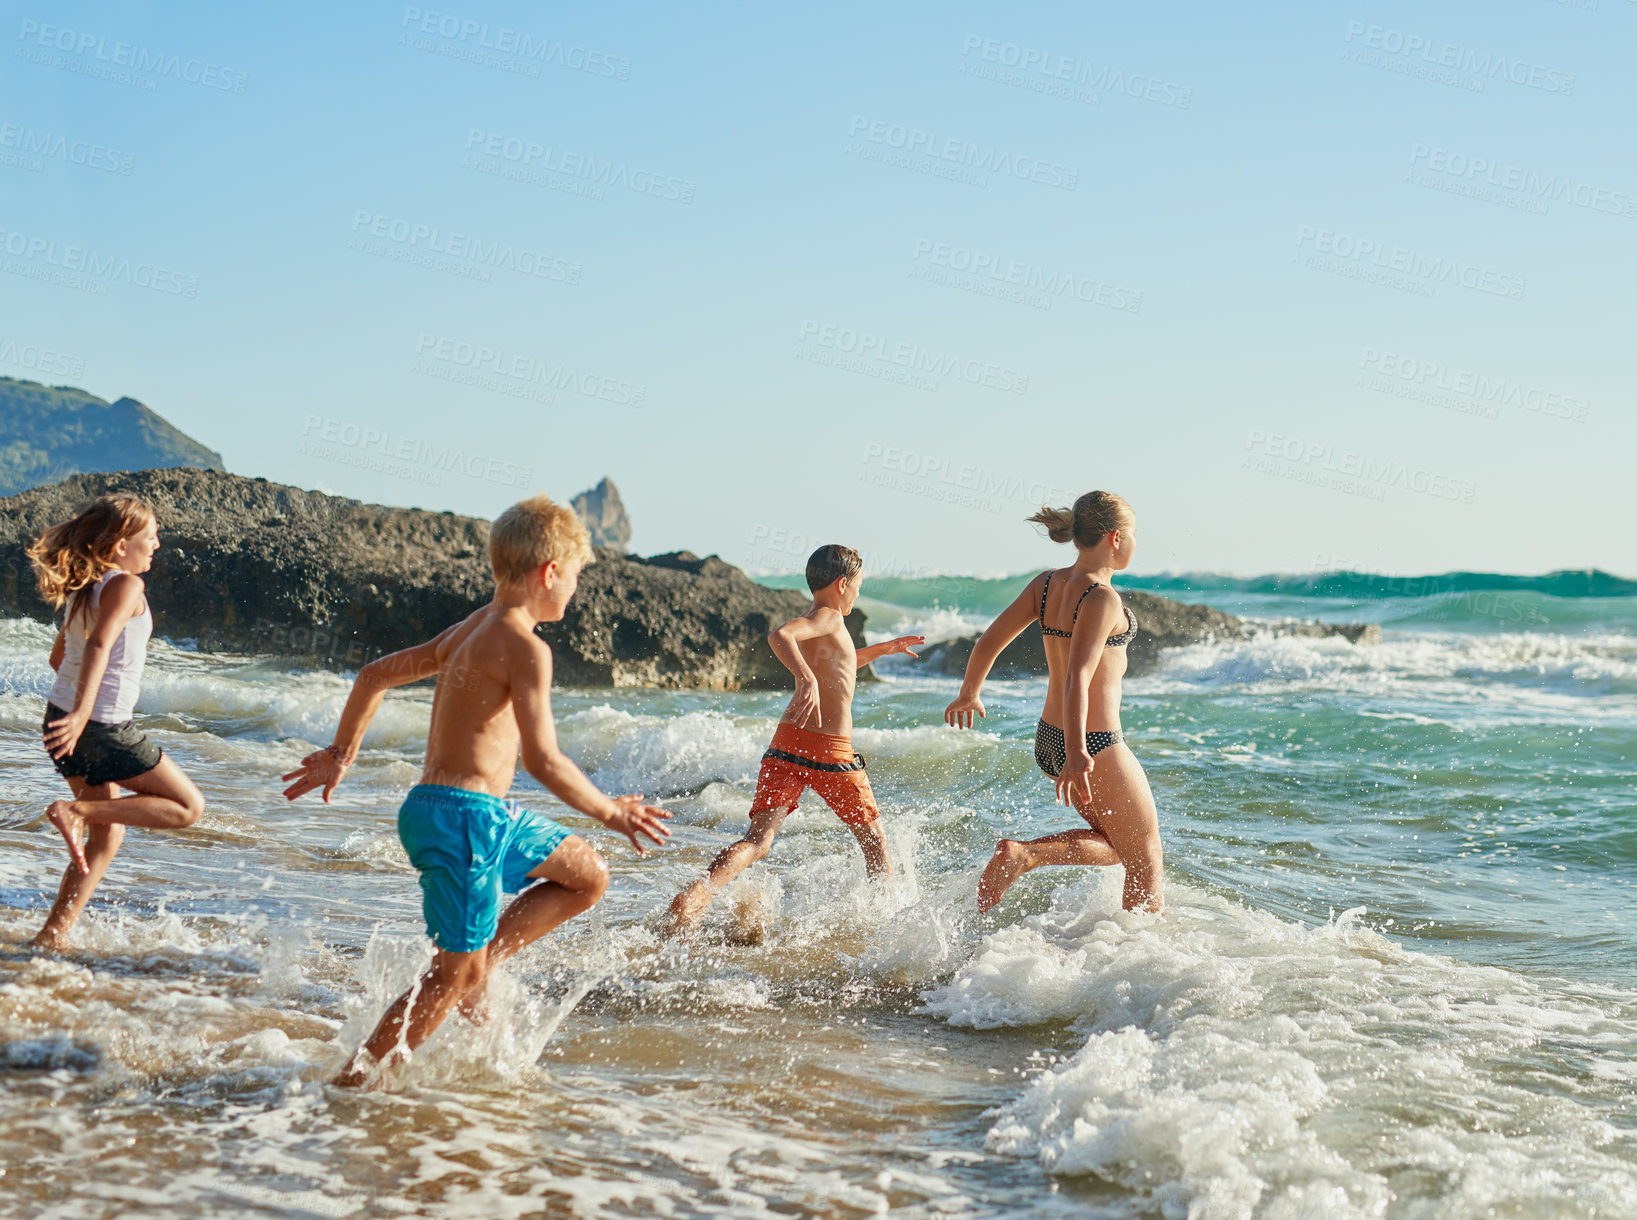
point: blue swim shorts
(469, 848)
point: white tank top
(122, 680)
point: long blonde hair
(1094, 515)
(71, 555)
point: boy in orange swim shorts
(812, 747)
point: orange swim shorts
(788, 770)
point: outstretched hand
(318, 769)
(903, 644)
(631, 818)
(958, 715)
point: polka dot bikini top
(1114, 641)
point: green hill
(50, 432)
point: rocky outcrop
(251, 566)
(1161, 623)
(604, 515)
(256, 567)
(50, 432)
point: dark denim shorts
(105, 753)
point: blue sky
(1311, 284)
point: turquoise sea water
(1396, 977)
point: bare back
(834, 662)
(473, 739)
(1101, 610)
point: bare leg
(165, 799)
(1126, 831)
(1123, 809)
(1013, 858)
(688, 908)
(78, 884)
(877, 863)
(576, 877)
(414, 1016)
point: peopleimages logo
(1489, 391)
(129, 55)
(1389, 261)
(83, 262)
(482, 360)
(404, 456)
(967, 154)
(1551, 188)
(460, 248)
(1057, 73)
(50, 146)
(503, 40)
(912, 358)
(533, 155)
(1363, 469)
(992, 485)
(1484, 65)
(41, 359)
(991, 274)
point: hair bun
(1094, 515)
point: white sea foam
(1478, 678)
(663, 754)
(1237, 1065)
(937, 624)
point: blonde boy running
(468, 842)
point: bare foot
(687, 909)
(49, 939)
(350, 1077)
(360, 1072)
(1010, 861)
(68, 824)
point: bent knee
(597, 878)
(461, 971)
(589, 872)
(870, 831)
(192, 808)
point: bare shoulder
(814, 621)
(123, 591)
(521, 648)
(452, 637)
(1102, 604)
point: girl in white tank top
(115, 699)
(92, 566)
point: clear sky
(1311, 284)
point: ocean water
(1396, 978)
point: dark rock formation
(1161, 623)
(604, 515)
(50, 432)
(251, 566)
(675, 620)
